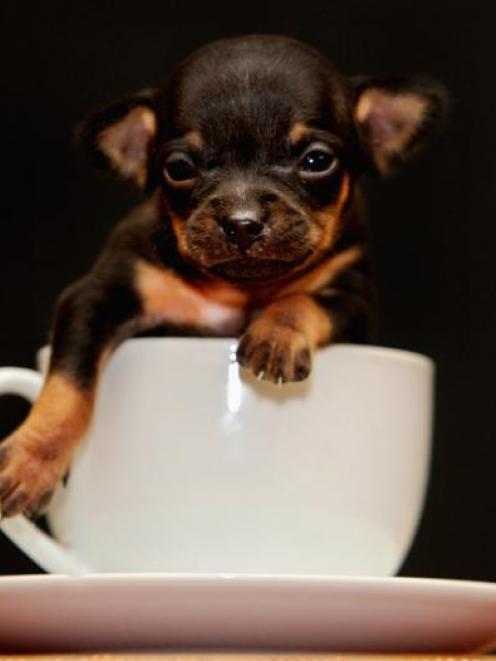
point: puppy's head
(255, 144)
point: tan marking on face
(194, 139)
(178, 227)
(126, 142)
(298, 131)
(165, 296)
(330, 217)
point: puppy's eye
(179, 170)
(317, 161)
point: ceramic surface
(172, 612)
(191, 465)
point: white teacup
(193, 466)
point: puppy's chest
(166, 297)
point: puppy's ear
(121, 137)
(396, 117)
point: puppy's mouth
(251, 269)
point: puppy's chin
(251, 269)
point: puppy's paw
(275, 352)
(30, 468)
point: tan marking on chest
(325, 272)
(165, 296)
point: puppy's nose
(241, 231)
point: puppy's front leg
(278, 346)
(37, 454)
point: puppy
(251, 156)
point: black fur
(242, 96)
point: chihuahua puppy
(251, 157)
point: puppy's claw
(38, 507)
(15, 503)
(276, 353)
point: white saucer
(136, 611)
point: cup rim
(388, 353)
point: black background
(433, 225)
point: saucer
(167, 611)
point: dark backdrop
(434, 226)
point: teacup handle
(35, 543)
